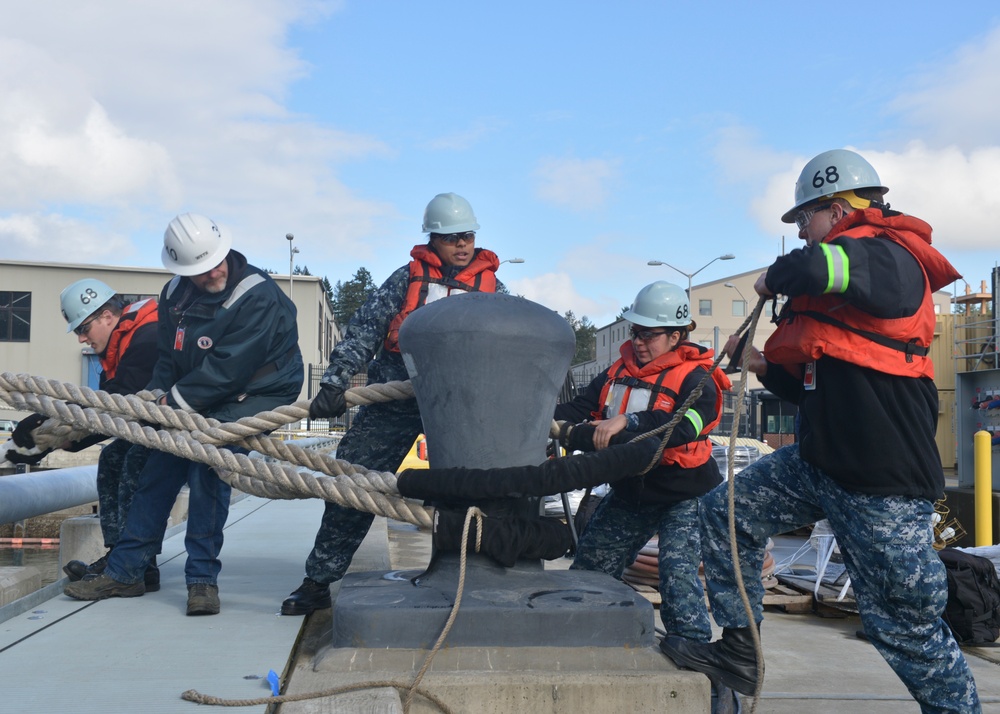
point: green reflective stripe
(695, 418)
(838, 268)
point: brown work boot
(101, 587)
(203, 599)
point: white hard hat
(449, 213)
(660, 304)
(830, 173)
(194, 244)
(81, 299)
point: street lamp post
(727, 256)
(512, 260)
(291, 257)
(746, 304)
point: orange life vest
(427, 283)
(811, 327)
(132, 318)
(632, 387)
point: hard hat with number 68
(839, 171)
(660, 304)
(81, 299)
(449, 213)
(194, 244)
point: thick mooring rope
(192, 436)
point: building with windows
(33, 337)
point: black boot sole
(724, 676)
(295, 607)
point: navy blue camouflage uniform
(381, 434)
(663, 502)
(867, 461)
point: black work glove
(565, 429)
(22, 435)
(29, 459)
(330, 403)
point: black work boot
(309, 597)
(77, 569)
(731, 661)
(152, 577)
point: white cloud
(951, 189)
(595, 279)
(52, 237)
(577, 184)
(557, 291)
(948, 176)
(957, 102)
(129, 112)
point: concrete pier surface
(138, 655)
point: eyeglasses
(467, 236)
(645, 335)
(803, 217)
(82, 329)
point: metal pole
(291, 256)
(983, 449)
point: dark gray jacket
(231, 354)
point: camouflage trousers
(379, 439)
(898, 580)
(118, 469)
(619, 529)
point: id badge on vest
(809, 377)
(179, 339)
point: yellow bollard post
(983, 451)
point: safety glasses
(84, 327)
(645, 335)
(803, 217)
(467, 236)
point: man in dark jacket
(851, 349)
(228, 348)
(124, 339)
(449, 263)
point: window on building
(739, 308)
(704, 307)
(15, 316)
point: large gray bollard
(486, 370)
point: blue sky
(589, 137)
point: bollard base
(80, 538)
(501, 607)
(500, 680)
